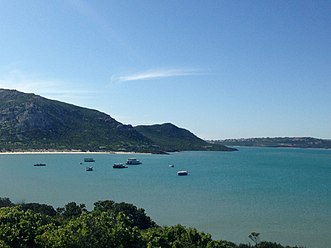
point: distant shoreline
(278, 142)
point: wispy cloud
(17, 79)
(157, 74)
(59, 89)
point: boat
(133, 161)
(182, 173)
(89, 160)
(39, 164)
(89, 168)
(119, 166)
(171, 166)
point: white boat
(171, 166)
(133, 161)
(89, 168)
(182, 173)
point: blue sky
(222, 69)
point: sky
(221, 69)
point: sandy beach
(66, 152)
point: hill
(32, 122)
(172, 138)
(28, 121)
(298, 142)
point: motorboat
(171, 166)
(89, 168)
(89, 160)
(119, 166)
(39, 164)
(182, 173)
(133, 161)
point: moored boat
(133, 161)
(89, 160)
(39, 164)
(119, 166)
(89, 168)
(182, 173)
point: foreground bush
(109, 224)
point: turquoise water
(285, 194)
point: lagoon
(284, 194)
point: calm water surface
(285, 194)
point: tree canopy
(109, 224)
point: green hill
(31, 122)
(28, 121)
(172, 138)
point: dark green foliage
(39, 208)
(104, 206)
(19, 228)
(136, 216)
(265, 244)
(93, 230)
(72, 210)
(109, 225)
(176, 236)
(5, 202)
(181, 237)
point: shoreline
(66, 152)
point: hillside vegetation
(31, 122)
(172, 138)
(28, 121)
